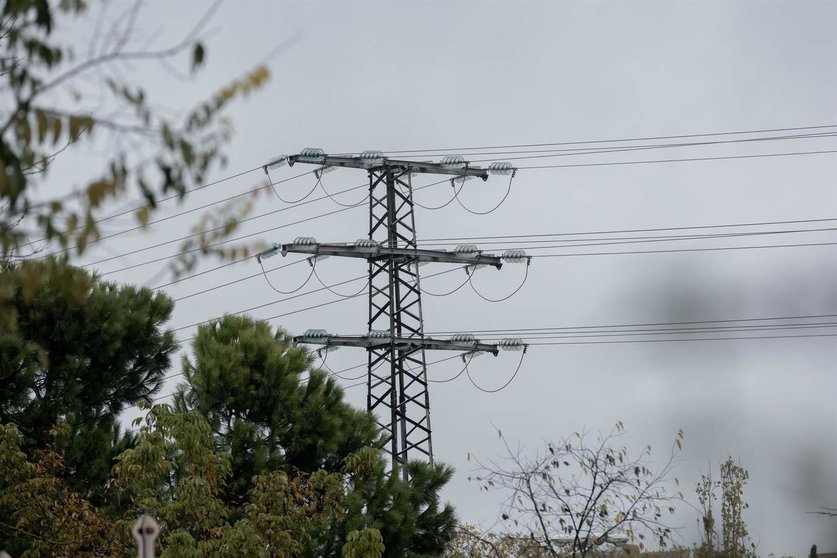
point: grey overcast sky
(411, 75)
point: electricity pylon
(397, 393)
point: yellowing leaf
(142, 215)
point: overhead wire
(502, 299)
(684, 250)
(631, 341)
(469, 238)
(527, 237)
(425, 186)
(452, 378)
(332, 198)
(647, 324)
(619, 140)
(330, 287)
(548, 153)
(291, 202)
(658, 146)
(505, 385)
(487, 212)
(297, 296)
(683, 160)
(267, 279)
(228, 240)
(135, 208)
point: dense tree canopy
(272, 411)
(81, 352)
(258, 455)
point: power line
(428, 185)
(625, 231)
(161, 200)
(528, 237)
(301, 295)
(212, 245)
(548, 153)
(541, 343)
(676, 250)
(645, 138)
(225, 241)
(648, 324)
(691, 159)
(625, 148)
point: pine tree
(81, 351)
(271, 410)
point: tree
(813, 553)
(734, 540)
(182, 468)
(40, 514)
(471, 542)
(81, 351)
(51, 111)
(248, 382)
(579, 494)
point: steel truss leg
(397, 379)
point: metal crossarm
(374, 164)
(372, 341)
(379, 252)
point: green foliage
(364, 544)
(40, 515)
(252, 459)
(81, 351)
(734, 540)
(247, 380)
(50, 114)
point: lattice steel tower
(397, 387)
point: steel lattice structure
(397, 393)
(397, 388)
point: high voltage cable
(330, 196)
(627, 341)
(580, 334)
(581, 242)
(545, 154)
(225, 241)
(655, 229)
(313, 307)
(646, 324)
(187, 237)
(263, 305)
(330, 372)
(162, 219)
(300, 295)
(529, 236)
(271, 184)
(212, 245)
(583, 245)
(657, 332)
(686, 160)
(676, 250)
(162, 200)
(646, 138)
(346, 209)
(630, 239)
(433, 184)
